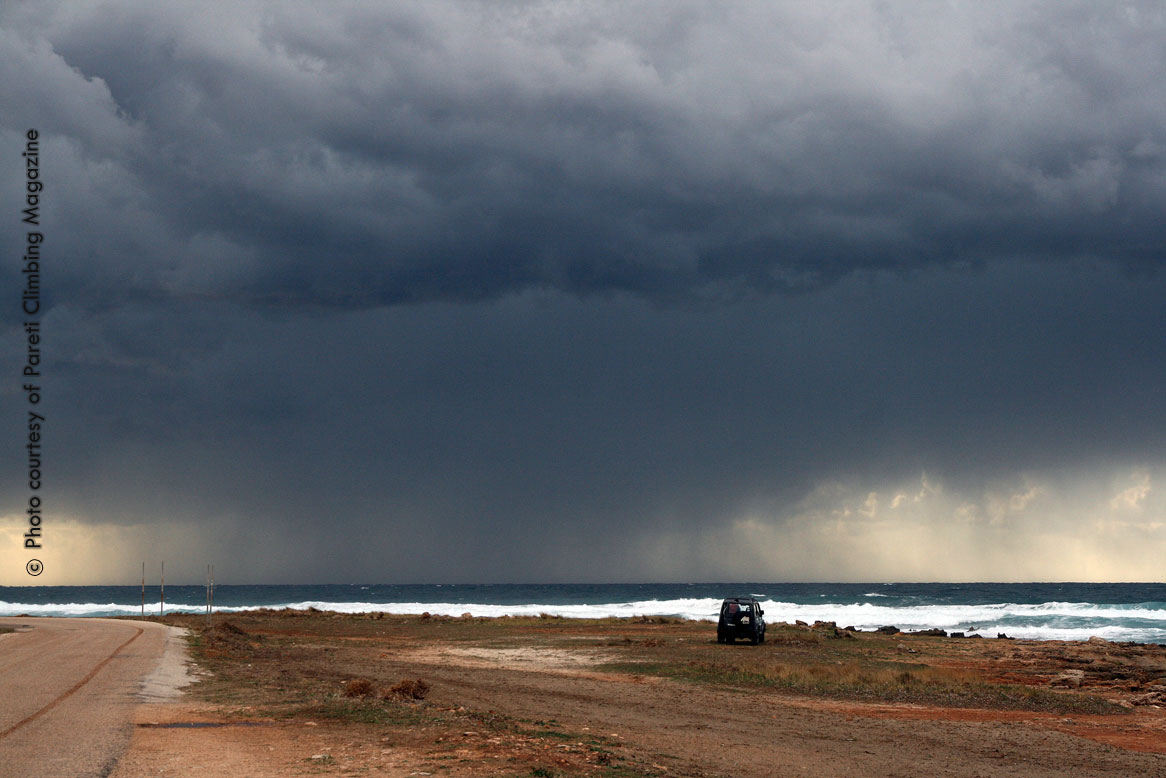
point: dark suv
(741, 617)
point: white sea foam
(1046, 621)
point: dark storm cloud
(450, 291)
(357, 156)
(453, 442)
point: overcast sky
(525, 291)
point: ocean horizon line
(799, 582)
(1040, 610)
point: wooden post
(162, 595)
(143, 590)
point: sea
(1043, 611)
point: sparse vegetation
(263, 666)
(364, 672)
(883, 682)
(408, 689)
(359, 687)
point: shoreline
(1116, 612)
(971, 632)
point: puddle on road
(205, 724)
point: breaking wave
(1142, 622)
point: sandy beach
(310, 693)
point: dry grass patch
(408, 689)
(860, 674)
(875, 681)
(359, 687)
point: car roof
(740, 599)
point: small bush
(358, 687)
(407, 690)
(228, 637)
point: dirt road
(701, 731)
(69, 688)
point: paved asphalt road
(68, 688)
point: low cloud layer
(340, 285)
(356, 157)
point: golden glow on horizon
(1033, 531)
(77, 554)
(1079, 528)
